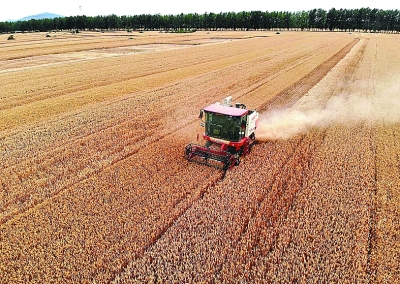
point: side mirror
(201, 114)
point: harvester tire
(237, 161)
(250, 147)
(227, 165)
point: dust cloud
(342, 109)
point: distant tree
(5, 27)
(287, 22)
(209, 21)
(69, 23)
(274, 20)
(312, 18)
(255, 20)
(373, 16)
(320, 19)
(332, 19)
(300, 20)
(81, 22)
(231, 21)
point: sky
(17, 9)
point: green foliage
(11, 37)
(364, 19)
(183, 31)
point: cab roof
(226, 110)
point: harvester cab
(228, 134)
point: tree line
(364, 19)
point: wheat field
(94, 187)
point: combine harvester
(229, 134)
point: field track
(94, 187)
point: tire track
(273, 206)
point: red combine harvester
(229, 134)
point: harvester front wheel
(237, 161)
(251, 143)
(227, 165)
